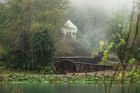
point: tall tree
(43, 48)
(19, 17)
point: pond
(64, 88)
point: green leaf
(132, 60)
(124, 32)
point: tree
(118, 22)
(16, 28)
(43, 48)
(17, 17)
(117, 32)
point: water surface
(65, 88)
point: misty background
(92, 17)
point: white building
(69, 30)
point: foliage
(18, 18)
(118, 31)
(43, 48)
(65, 49)
(117, 24)
(108, 48)
(1, 52)
(70, 79)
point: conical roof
(69, 27)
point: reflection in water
(17, 90)
(45, 88)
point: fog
(92, 18)
(109, 5)
(97, 12)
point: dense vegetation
(79, 79)
(28, 32)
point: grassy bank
(52, 78)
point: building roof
(69, 27)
